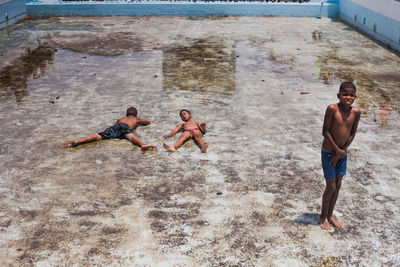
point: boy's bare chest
(189, 125)
(344, 118)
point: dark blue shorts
(119, 130)
(329, 170)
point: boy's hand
(341, 153)
(166, 136)
(334, 159)
(203, 127)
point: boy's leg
(184, 136)
(84, 140)
(338, 184)
(330, 189)
(198, 137)
(135, 140)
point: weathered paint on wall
(11, 11)
(379, 20)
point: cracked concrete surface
(261, 84)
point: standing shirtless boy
(122, 129)
(339, 130)
(191, 130)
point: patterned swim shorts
(119, 130)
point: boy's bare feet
(334, 222)
(149, 147)
(204, 147)
(70, 144)
(169, 147)
(324, 224)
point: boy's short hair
(131, 111)
(345, 85)
(182, 110)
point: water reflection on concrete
(14, 78)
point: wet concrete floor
(261, 84)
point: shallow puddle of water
(14, 79)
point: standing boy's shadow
(308, 218)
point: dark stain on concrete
(208, 65)
(86, 213)
(258, 219)
(231, 175)
(49, 236)
(159, 215)
(88, 224)
(327, 262)
(112, 230)
(28, 214)
(111, 44)
(377, 92)
(244, 243)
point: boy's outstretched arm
(202, 127)
(353, 129)
(330, 112)
(174, 131)
(143, 122)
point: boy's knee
(331, 186)
(338, 181)
(338, 185)
(197, 135)
(130, 136)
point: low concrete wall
(11, 11)
(379, 19)
(183, 9)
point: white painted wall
(388, 8)
(378, 18)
